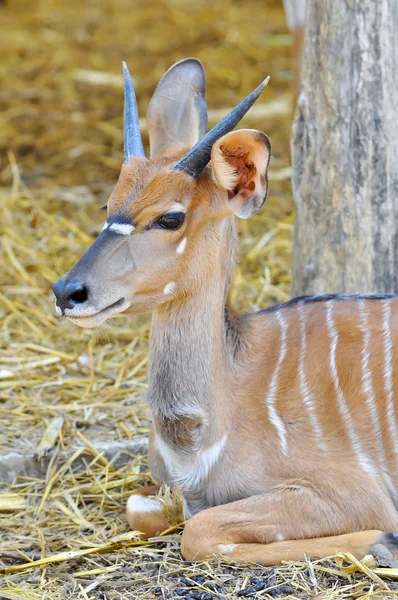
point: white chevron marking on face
(121, 228)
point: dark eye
(170, 221)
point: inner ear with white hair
(239, 162)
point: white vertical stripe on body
(368, 388)
(273, 386)
(306, 395)
(364, 461)
(388, 373)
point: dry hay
(66, 396)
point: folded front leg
(285, 525)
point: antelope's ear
(240, 161)
(177, 113)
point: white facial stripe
(181, 246)
(170, 287)
(121, 228)
(177, 207)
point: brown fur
(179, 433)
(212, 373)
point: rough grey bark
(345, 149)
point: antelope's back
(324, 378)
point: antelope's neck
(191, 364)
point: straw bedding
(72, 403)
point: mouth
(99, 317)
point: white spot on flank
(181, 246)
(273, 386)
(121, 228)
(388, 373)
(138, 503)
(306, 395)
(279, 537)
(365, 463)
(189, 469)
(170, 287)
(177, 207)
(226, 548)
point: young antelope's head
(166, 216)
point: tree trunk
(295, 17)
(345, 150)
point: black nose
(70, 294)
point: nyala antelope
(280, 427)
